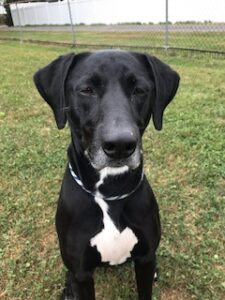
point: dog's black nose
(119, 145)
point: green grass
(194, 40)
(185, 164)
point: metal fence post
(71, 22)
(19, 21)
(166, 46)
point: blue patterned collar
(97, 193)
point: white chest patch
(114, 246)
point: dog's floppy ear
(166, 84)
(50, 82)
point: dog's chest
(114, 246)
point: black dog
(107, 212)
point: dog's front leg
(144, 277)
(77, 289)
(86, 289)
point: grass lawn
(185, 164)
(194, 40)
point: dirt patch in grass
(48, 241)
(14, 249)
(45, 131)
(221, 187)
(171, 294)
(2, 294)
(220, 121)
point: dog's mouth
(99, 160)
(115, 164)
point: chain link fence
(166, 24)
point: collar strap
(119, 197)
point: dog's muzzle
(115, 146)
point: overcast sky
(199, 10)
(180, 10)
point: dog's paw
(70, 291)
(156, 275)
(67, 294)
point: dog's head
(108, 98)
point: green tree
(8, 19)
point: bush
(2, 19)
(8, 16)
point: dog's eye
(138, 91)
(87, 91)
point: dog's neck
(110, 183)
